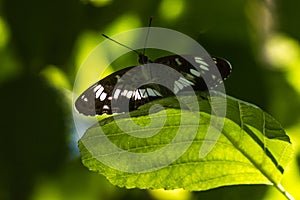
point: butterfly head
(143, 59)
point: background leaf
(60, 34)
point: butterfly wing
(195, 68)
(97, 99)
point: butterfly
(97, 99)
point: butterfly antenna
(149, 25)
(123, 45)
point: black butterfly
(97, 99)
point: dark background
(43, 43)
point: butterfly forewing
(97, 99)
(194, 68)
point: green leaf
(251, 149)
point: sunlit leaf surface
(252, 148)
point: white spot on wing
(143, 93)
(157, 93)
(178, 61)
(116, 94)
(195, 72)
(129, 94)
(98, 94)
(150, 92)
(200, 61)
(176, 89)
(204, 67)
(124, 93)
(185, 82)
(106, 107)
(97, 88)
(137, 95)
(85, 99)
(103, 96)
(178, 84)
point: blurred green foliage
(42, 44)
